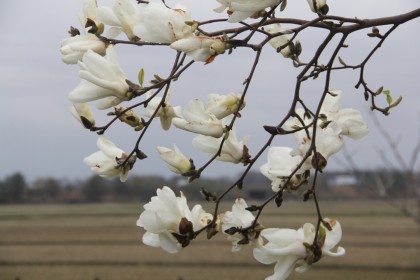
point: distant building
(341, 180)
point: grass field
(101, 242)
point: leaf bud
(308, 194)
(279, 199)
(140, 155)
(232, 230)
(73, 31)
(208, 196)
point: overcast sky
(40, 138)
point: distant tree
(13, 188)
(48, 188)
(94, 189)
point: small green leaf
(389, 99)
(396, 102)
(141, 76)
(387, 92)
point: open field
(87, 242)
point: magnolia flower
(239, 218)
(319, 5)
(197, 120)
(281, 163)
(123, 17)
(223, 105)
(352, 124)
(166, 112)
(241, 9)
(168, 221)
(83, 113)
(200, 48)
(278, 41)
(175, 160)
(74, 48)
(108, 161)
(102, 78)
(328, 141)
(349, 120)
(232, 151)
(331, 104)
(90, 8)
(288, 248)
(162, 24)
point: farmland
(102, 242)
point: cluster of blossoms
(167, 219)
(171, 225)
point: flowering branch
(319, 130)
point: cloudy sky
(39, 137)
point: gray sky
(40, 138)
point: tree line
(16, 189)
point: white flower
(89, 12)
(278, 41)
(319, 4)
(328, 141)
(162, 24)
(331, 105)
(286, 248)
(280, 165)
(241, 9)
(223, 105)
(175, 160)
(166, 220)
(123, 17)
(83, 113)
(102, 78)
(166, 112)
(197, 120)
(352, 124)
(232, 150)
(107, 162)
(349, 120)
(239, 218)
(74, 48)
(200, 48)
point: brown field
(101, 242)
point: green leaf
(389, 99)
(396, 102)
(387, 92)
(141, 76)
